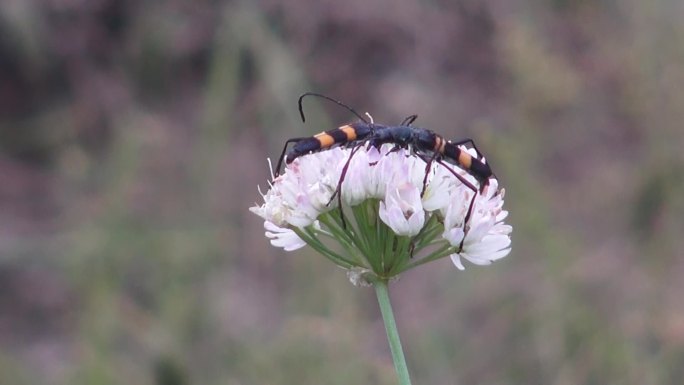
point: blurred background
(133, 135)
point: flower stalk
(382, 292)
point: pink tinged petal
(492, 189)
(501, 215)
(410, 197)
(435, 200)
(485, 254)
(416, 222)
(319, 196)
(304, 213)
(490, 247)
(437, 195)
(501, 228)
(457, 208)
(476, 260)
(456, 259)
(374, 155)
(258, 210)
(358, 182)
(499, 254)
(454, 235)
(393, 217)
(282, 237)
(403, 211)
(488, 244)
(479, 228)
(416, 172)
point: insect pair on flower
(405, 190)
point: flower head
(389, 211)
(402, 209)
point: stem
(382, 293)
(440, 253)
(311, 240)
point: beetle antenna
(301, 110)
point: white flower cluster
(304, 191)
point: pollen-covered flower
(385, 210)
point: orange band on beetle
(325, 139)
(349, 131)
(465, 160)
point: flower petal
(402, 210)
(282, 237)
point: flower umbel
(389, 216)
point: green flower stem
(312, 241)
(331, 221)
(382, 293)
(442, 252)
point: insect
(424, 143)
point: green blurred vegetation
(133, 136)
